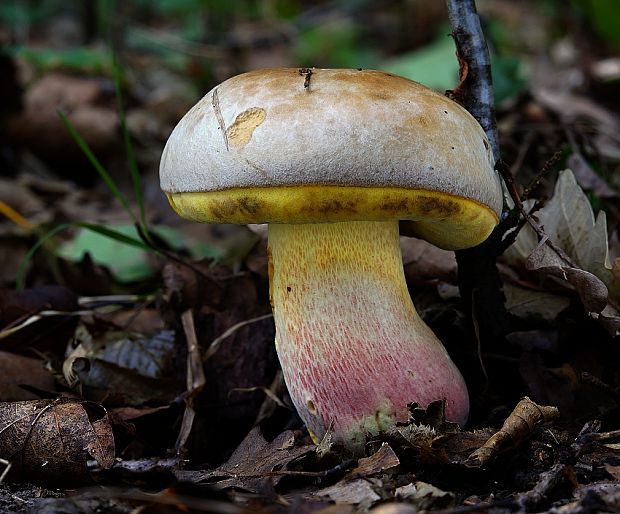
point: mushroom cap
(292, 145)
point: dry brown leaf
(252, 463)
(458, 446)
(534, 305)
(588, 178)
(426, 496)
(54, 440)
(591, 289)
(614, 471)
(360, 491)
(16, 370)
(423, 261)
(148, 356)
(381, 460)
(525, 417)
(107, 383)
(569, 222)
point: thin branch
(475, 91)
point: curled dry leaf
(113, 385)
(383, 459)
(148, 356)
(525, 417)
(569, 222)
(591, 289)
(54, 440)
(123, 368)
(426, 496)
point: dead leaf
(360, 491)
(458, 446)
(250, 466)
(426, 496)
(525, 417)
(113, 385)
(614, 471)
(381, 460)
(48, 334)
(434, 416)
(569, 222)
(530, 304)
(591, 289)
(149, 356)
(423, 261)
(588, 178)
(16, 370)
(17, 304)
(89, 105)
(54, 440)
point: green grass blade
(113, 234)
(108, 232)
(131, 158)
(103, 173)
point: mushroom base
(354, 351)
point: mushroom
(332, 159)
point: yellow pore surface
(446, 220)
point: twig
(588, 378)
(475, 90)
(504, 171)
(216, 343)
(479, 280)
(195, 379)
(7, 468)
(559, 472)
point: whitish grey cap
(291, 129)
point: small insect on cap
(314, 145)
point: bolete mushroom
(332, 159)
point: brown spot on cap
(241, 130)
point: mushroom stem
(353, 350)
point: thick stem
(353, 350)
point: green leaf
(434, 65)
(116, 248)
